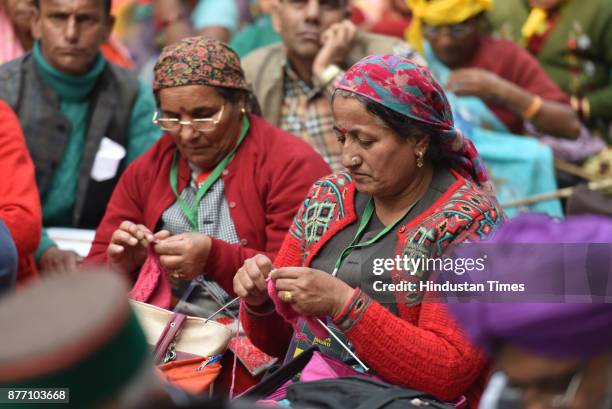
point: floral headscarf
(199, 61)
(409, 89)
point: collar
(68, 87)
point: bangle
(575, 104)
(534, 108)
(586, 108)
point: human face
(454, 44)
(546, 383)
(21, 13)
(203, 149)
(387, 163)
(302, 22)
(71, 32)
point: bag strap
(168, 338)
(382, 399)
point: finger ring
(285, 296)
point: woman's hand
(184, 255)
(250, 280)
(477, 82)
(313, 292)
(57, 261)
(127, 250)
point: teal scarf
(68, 87)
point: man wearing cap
(554, 354)
(293, 81)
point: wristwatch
(329, 73)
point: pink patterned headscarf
(409, 89)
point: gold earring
(243, 111)
(419, 159)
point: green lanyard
(191, 212)
(367, 216)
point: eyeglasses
(457, 31)
(197, 124)
(549, 399)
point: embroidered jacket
(423, 348)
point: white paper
(107, 160)
(78, 240)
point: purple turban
(555, 330)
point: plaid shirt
(307, 113)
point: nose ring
(355, 160)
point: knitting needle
(343, 345)
(221, 309)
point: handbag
(180, 336)
(187, 350)
(312, 367)
(308, 366)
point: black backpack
(358, 393)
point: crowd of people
(272, 152)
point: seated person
(414, 187)
(294, 80)
(179, 19)
(509, 80)
(83, 118)
(221, 186)
(571, 39)
(16, 33)
(554, 354)
(19, 201)
(257, 34)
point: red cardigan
(423, 348)
(264, 186)
(19, 200)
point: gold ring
(285, 296)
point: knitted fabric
(153, 284)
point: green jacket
(264, 67)
(589, 22)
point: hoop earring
(420, 163)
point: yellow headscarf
(441, 12)
(535, 24)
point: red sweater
(516, 65)
(19, 200)
(423, 348)
(264, 186)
